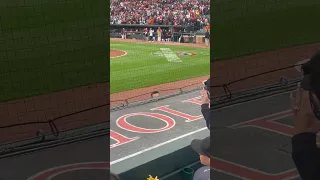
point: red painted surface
(268, 123)
(124, 124)
(244, 172)
(53, 172)
(121, 139)
(188, 117)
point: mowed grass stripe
(247, 26)
(139, 68)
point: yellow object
(151, 178)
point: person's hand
(204, 97)
(304, 118)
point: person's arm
(206, 114)
(305, 153)
(205, 107)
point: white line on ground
(170, 55)
(156, 146)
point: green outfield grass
(241, 27)
(48, 46)
(140, 68)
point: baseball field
(239, 28)
(136, 65)
(42, 49)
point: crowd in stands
(160, 12)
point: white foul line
(156, 146)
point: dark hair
(114, 176)
(207, 85)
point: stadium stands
(160, 12)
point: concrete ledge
(159, 161)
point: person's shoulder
(202, 173)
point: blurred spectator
(169, 35)
(207, 38)
(151, 35)
(159, 33)
(146, 33)
(205, 99)
(160, 12)
(305, 101)
(208, 27)
(123, 33)
(164, 35)
(202, 147)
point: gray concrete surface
(257, 153)
(260, 152)
(242, 151)
(86, 160)
(143, 150)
